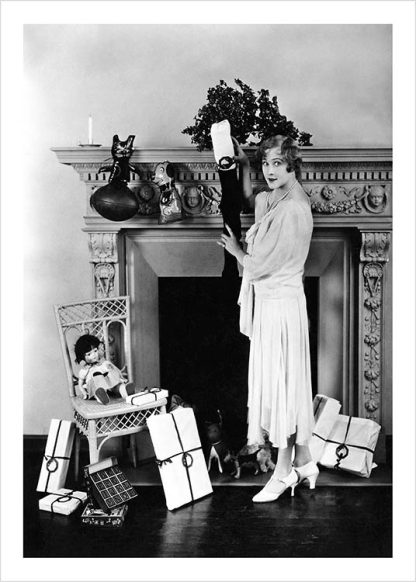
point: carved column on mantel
(374, 255)
(104, 254)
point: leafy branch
(252, 116)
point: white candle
(90, 130)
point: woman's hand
(229, 242)
(239, 155)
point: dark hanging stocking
(231, 206)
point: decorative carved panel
(357, 199)
(104, 275)
(375, 246)
(104, 259)
(373, 256)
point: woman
(273, 314)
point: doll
(98, 376)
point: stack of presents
(339, 442)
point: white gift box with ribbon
(180, 458)
(64, 501)
(325, 412)
(350, 445)
(57, 454)
(148, 396)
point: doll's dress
(273, 314)
(109, 377)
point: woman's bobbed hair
(290, 152)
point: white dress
(273, 314)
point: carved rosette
(373, 255)
(104, 259)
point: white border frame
(401, 14)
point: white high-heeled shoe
(308, 472)
(269, 493)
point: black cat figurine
(121, 152)
(116, 201)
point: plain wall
(333, 81)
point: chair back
(108, 319)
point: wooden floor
(148, 474)
(332, 521)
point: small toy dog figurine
(170, 201)
(260, 460)
(219, 451)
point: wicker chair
(109, 320)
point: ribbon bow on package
(179, 456)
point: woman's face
(275, 169)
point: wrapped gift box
(64, 501)
(99, 518)
(325, 412)
(57, 454)
(179, 455)
(148, 396)
(351, 444)
(107, 485)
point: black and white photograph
(207, 347)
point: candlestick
(90, 143)
(90, 130)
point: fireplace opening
(203, 355)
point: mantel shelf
(79, 154)
(98, 224)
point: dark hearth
(203, 355)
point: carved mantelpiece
(343, 183)
(350, 190)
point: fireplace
(348, 272)
(153, 261)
